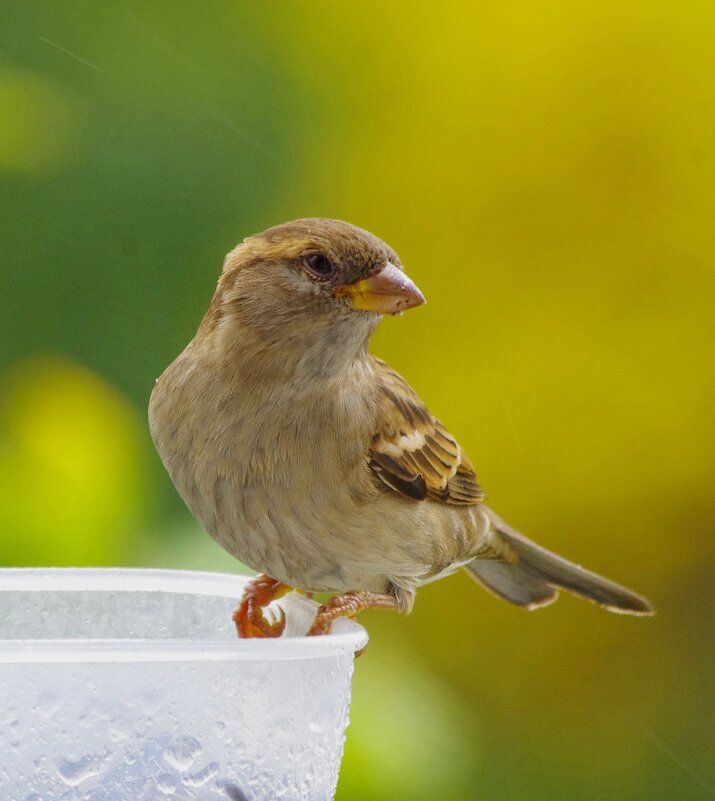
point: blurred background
(547, 173)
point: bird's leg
(349, 605)
(249, 618)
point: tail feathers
(534, 579)
(515, 583)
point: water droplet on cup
(183, 754)
(75, 772)
(166, 783)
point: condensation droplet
(73, 773)
(167, 783)
(183, 754)
(48, 703)
(200, 778)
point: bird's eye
(319, 265)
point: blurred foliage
(70, 468)
(547, 173)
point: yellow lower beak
(389, 291)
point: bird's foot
(250, 618)
(349, 605)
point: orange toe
(250, 618)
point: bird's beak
(388, 291)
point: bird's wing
(412, 452)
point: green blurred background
(547, 173)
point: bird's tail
(535, 576)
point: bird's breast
(280, 478)
(269, 473)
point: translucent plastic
(130, 685)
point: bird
(313, 462)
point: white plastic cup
(120, 685)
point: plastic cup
(131, 685)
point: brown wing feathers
(397, 477)
(412, 452)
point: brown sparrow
(314, 463)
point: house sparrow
(313, 462)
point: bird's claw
(250, 618)
(349, 605)
(258, 624)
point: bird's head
(307, 284)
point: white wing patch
(409, 443)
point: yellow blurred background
(547, 173)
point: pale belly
(275, 501)
(312, 539)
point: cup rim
(348, 636)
